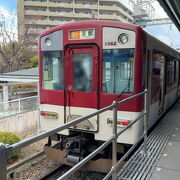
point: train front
(85, 66)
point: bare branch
(14, 51)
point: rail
(7, 150)
(20, 105)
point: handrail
(15, 100)
(7, 150)
(113, 139)
(123, 158)
(16, 106)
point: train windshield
(53, 77)
(118, 71)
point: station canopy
(172, 8)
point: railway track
(28, 163)
(79, 175)
(13, 168)
(55, 172)
(35, 164)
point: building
(34, 16)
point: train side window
(171, 73)
(53, 70)
(82, 70)
(118, 70)
(156, 80)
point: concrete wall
(20, 123)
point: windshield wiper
(126, 88)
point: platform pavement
(162, 161)
(168, 167)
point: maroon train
(85, 66)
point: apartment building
(34, 16)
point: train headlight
(48, 42)
(123, 38)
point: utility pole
(144, 14)
(98, 11)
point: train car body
(85, 66)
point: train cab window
(82, 72)
(118, 71)
(53, 70)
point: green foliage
(34, 60)
(11, 47)
(7, 137)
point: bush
(34, 61)
(7, 137)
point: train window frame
(170, 75)
(128, 82)
(52, 71)
(171, 69)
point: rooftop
(24, 72)
(25, 75)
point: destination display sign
(82, 34)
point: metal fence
(7, 150)
(20, 105)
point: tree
(14, 51)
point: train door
(81, 79)
(162, 85)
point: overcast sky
(167, 33)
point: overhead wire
(174, 38)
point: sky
(167, 33)
(8, 13)
(8, 4)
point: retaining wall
(20, 123)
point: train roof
(107, 23)
(177, 53)
(93, 23)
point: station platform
(162, 161)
